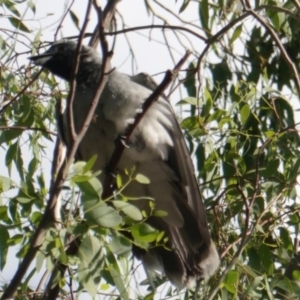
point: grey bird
(157, 149)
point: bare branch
(297, 4)
(62, 20)
(69, 108)
(171, 27)
(122, 141)
(108, 14)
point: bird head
(59, 58)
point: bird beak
(40, 60)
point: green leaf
(120, 246)
(286, 239)
(269, 133)
(4, 237)
(236, 34)
(231, 281)
(5, 184)
(268, 289)
(118, 280)
(36, 217)
(286, 285)
(144, 233)
(296, 275)
(81, 178)
(18, 24)
(3, 214)
(265, 255)
(15, 240)
(208, 103)
(99, 213)
(204, 15)
(189, 100)
(190, 80)
(74, 19)
(24, 200)
(89, 165)
(184, 5)
(40, 259)
(9, 135)
(11, 7)
(91, 257)
(253, 285)
(245, 113)
(128, 209)
(31, 5)
(33, 165)
(160, 213)
(142, 179)
(91, 188)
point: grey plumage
(157, 149)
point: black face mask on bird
(157, 149)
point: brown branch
(59, 156)
(108, 14)
(95, 35)
(62, 20)
(41, 282)
(123, 140)
(296, 3)
(70, 100)
(158, 26)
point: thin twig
(62, 20)
(108, 14)
(70, 100)
(171, 27)
(296, 3)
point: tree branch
(108, 14)
(171, 27)
(122, 141)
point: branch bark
(123, 140)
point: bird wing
(179, 158)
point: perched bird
(157, 149)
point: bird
(156, 149)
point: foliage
(240, 117)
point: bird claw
(123, 140)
